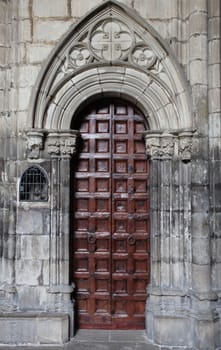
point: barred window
(33, 185)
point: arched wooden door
(110, 249)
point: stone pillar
(61, 146)
(170, 184)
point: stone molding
(65, 289)
(168, 145)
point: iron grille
(33, 185)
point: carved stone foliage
(165, 145)
(62, 144)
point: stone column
(170, 200)
(61, 146)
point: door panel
(111, 219)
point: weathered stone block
(214, 51)
(156, 9)
(214, 7)
(23, 8)
(215, 126)
(44, 278)
(25, 30)
(205, 335)
(3, 11)
(45, 8)
(53, 330)
(31, 328)
(2, 56)
(27, 75)
(38, 53)
(21, 120)
(215, 169)
(198, 72)
(2, 80)
(198, 23)
(200, 224)
(172, 331)
(29, 272)
(2, 34)
(15, 330)
(177, 273)
(23, 98)
(200, 174)
(214, 72)
(198, 47)
(31, 298)
(35, 247)
(18, 51)
(33, 221)
(215, 147)
(198, 5)
(216, 249)
(200, 199)
(214, 27)
(201, 251)
(79, 8)
(216, 276)
(201, 278)
(50, 31)
(214, 100)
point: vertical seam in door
(111, 206)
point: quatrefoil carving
(111, 40)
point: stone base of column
(171, 322)
(34, 328)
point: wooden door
(111, 219)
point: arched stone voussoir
(144, 90)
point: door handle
(91, 238)
(131, 240)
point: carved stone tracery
(143, 56)
(111, 40)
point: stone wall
(29, 31)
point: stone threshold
(101, 340)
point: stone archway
(113, 52)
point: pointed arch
(111, 51)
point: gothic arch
(111, 51)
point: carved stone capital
(166, 145)
(62, 143)
(53, 143)
(159, 145)
(34, 142)
(185, 145)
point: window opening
(33, 185)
